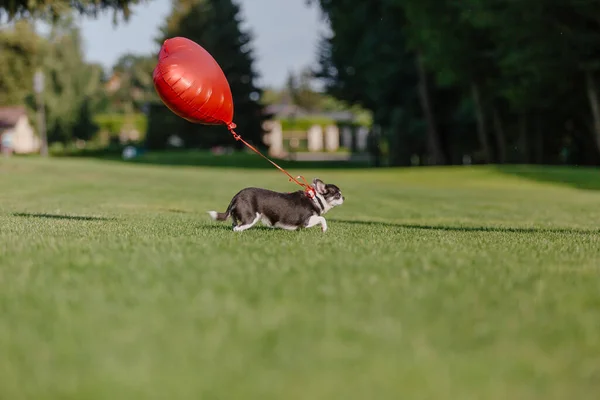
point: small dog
(288, 211)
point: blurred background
(378, 83)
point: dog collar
(311, 194)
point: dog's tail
(219, 216)
(222, 216)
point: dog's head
(331, 194)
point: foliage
(366, 62)
(71, 85)
(271, 96)
(526, 71)
(53, 10)
(303, 124)
(84, 127)
(20, 50)
(134, 87)
(115, 123)
(300, 91)
(162, 124)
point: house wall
(24, 138)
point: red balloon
(192, 84)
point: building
(293, 131)
(16, 132)
(287, 111)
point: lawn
(431, 283)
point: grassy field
(432, 283)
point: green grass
(195, 158)
(431, 283)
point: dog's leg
(249, 225)
(314, 220)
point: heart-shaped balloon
(192, 84)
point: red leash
(309, 190)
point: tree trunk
(539, 141)
(433, 138)
(524, 142)
(500, 136)
(398, 144)
(374, 145)
(593, 97)
(481, 128)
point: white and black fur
(288, 211)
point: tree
(459, 55)
(135, 86)
(366, 61)
(55, 9)
(522, 75)
(71, 84)
(562, 41)
(215, 25)
(301, 92)
(84, 127)
(272, 96)
(20, 49)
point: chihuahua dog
(288, 211)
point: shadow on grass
(587, 178)
(469, 228)
(59, 216)
(228, 227)
(191, 158)
(177, 211)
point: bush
(304, 124)
(115, 123)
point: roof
(285, 110)
(289, 110)
(9, 116)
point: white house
(318, 138)
(16, 132)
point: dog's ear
(319, 186)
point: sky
(286, 34)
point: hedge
(303, 124)
(114, 123)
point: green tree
(523, 76)
(299, 88)
(136, 88)
(215, 25)
(367, 61)
(84, 127)
(563, 41)
(20, 49)
(55, 9)
(271, 96)
(459, 55)
(71, 85)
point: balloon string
(310, 191)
